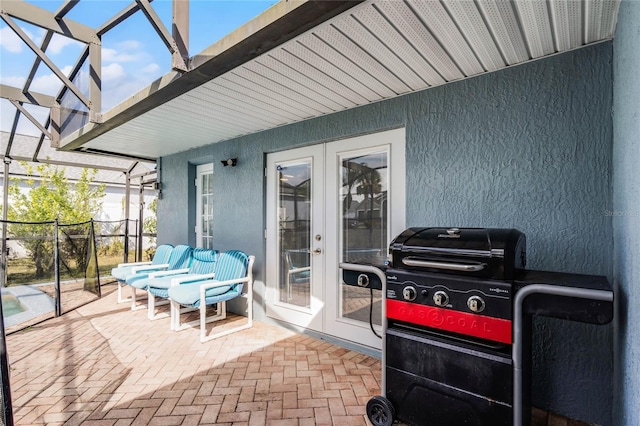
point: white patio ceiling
(376, 50)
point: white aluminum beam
(177, 61)
(95, 81)
(45, 59)
(121, 16)
(180, 30)
(33, 98)
(44, 19)
(65, 8)
(31, 118)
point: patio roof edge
(277, 25)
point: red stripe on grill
(495, 329)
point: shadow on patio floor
(106, 365)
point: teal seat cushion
(160, 286)
(159, 292)
(122, 272)
(141, 283)
(161, 256)
(189, 294)
(165, 282)
(131, 279)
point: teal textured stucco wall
(527, 147)
(626, 198)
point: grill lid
(484, 252)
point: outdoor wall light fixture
(230, 162)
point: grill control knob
(440, 298)
(409, 293)
(476, 304)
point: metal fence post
(136, 238)
(140, 218)
(7, 409)
(127, 197)
(56, 267)
(5, 212)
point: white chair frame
(151, 299)
(121, 284)
(221, 310)
(161, 267)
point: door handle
(317, 251)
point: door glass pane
(294, 230)
(363, 196)
(206, 212)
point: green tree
(150, 226)
(53, 197)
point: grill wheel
(380, 411)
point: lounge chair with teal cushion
(120, 273)
(178, 260)
(201, 266)
(233, 270)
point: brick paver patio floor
(104, 364)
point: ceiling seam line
(261, 116)
(583, 24)
(282, 112)
(323, 41)
(315, 92)
(384, 80)
(375, 60)
(464, 37)
(493, 36)
(328, 76)
(315, 81)
(256, 111)
(326, 100)
(280, 85)
(554, 28)
(438, 40)
(424, 58)
(355, 18)
(521, 28)
(331, 77)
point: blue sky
(132, 54)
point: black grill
(457, 335)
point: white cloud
(151, 68)
(112, 72)
(10, 41)
(130, 44)
(58, 43)
(49, 84)
(11, 80)
(112, 55)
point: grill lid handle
(460, 267)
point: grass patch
(22, 271)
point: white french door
(295, 232)
(204, 206)
(331, 203)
